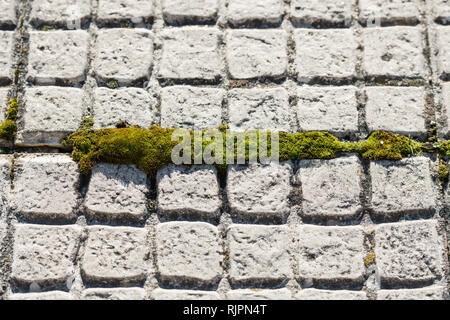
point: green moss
(112, 84)
(443, 172)
(48, 28)
(369, 259)
(8, 127)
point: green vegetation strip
(8, 127)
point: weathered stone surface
(164, 294)
(262, 11)
(259, 253)
(51, 113)
(314, 294)
(188, 190)
(332, 109)
(326, 54)
(408, 252)
(188, 107)
(256, 53)
(6, 55)
(116, 191)
(3, 231)
(259, 109)
(324, 12)
(60, 12)
(443, 56)
(403, 186)
(179, 11)
(4, 103)
(394, 11)
(430, 293)
(5, 183)
(134, 105)
(190, 53)
(58, 56)
(331, 254)
(393, 52)
(44, 255)
(114, 254)
(8, 12)
(446, 102)
(259, 190)
(259, 294)
(113, 11)
(397, 109)
(441, 11)
(50, 295)
(114, 294)
(128, 60)
(45, 185)
(188, 251)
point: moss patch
(369, 259)
(8, 127)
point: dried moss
(369, 259)
(8, 127)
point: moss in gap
(443, 172)
(369, 259)
(112, 84)
(48, 28)
(8, 127)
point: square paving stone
(441, 11)
(192, 11)
(259, 11)
(442, 39)
(69, 14)
(5, 183)
(322, 13)
(446, 102)
(393, 11)
(114, 11)
(113, 294)
(8, 12)
(6, 55)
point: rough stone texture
(69, 14)
(402, 186)
(259, 294)
(180, 11)
(193, 108)
(133, 105)
(324, 12)
(446, 102)
(5, 183)
(331, 254)
(113, 11)
(128, 60)
(431, 293)
(39, 180)
(6, 55)
(397, 109)
(255, 11)
(50, 295)
(188, 252)
(393, 11)
(44, 255)
(443, 56)
(8, 12)
(314, 294)
(58, 56)
(256, 53)
(332, 109)
(331, 188)
(190, 53)
(259, 253)
(441, 11)
(113, 294)
(3, 231)
(325, 54)
(4, 103)
(51, 113)
(188, 190)
(259, 190)
(408, 252)
(114, 254)
(393, 52)
(164, 294)
(116, 191)
(259, 109)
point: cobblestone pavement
(345, 228)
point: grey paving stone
(5, 183)
(261, 11)
(133, 105)
(259, 294)
(58, 56)
(70, 14)
(128, 60)
(332, 109)
(114, 11)
(50, 295)
(256, 53)
(114, 254)
(259, 109)
(164, 294)
(188, 190)
(113, 294)
(3, 231)
(393, 52)
(325, 54)
(403, 186)
(51, 113)
(6, 55)
(443, 56)
(446, 102)
(394, 11)
(259, 190)
(117, 191)
(188, 252)
(44, 255)
(324, 12)
(193, 108)
(190, 53)
(331, 254)
(330, 188)
(408, 252)
(198, 11)
(441, 11)
(430, 293)
(397, 109)
(45, 185)
(4, 103)
(259, 254)
(314, 294)
(8, 12)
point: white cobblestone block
(193, 108)
(58, 56)
(6, 54)
(396, 109)
(180, 11)
(164, 294)
(324, 12)
(402, 186)
(3, 231)
(5, 183)
(331, 254)
(133, 105)
(8, 12)
(261, 11)
(394, 11)
(314, 294)
(441, 11)
(443, 56)
(259, 190)
(259, 294)
(113, 294)
(4, 103)
(128, 60)
(256, 53)
(259, 253)
(117, 191)
(408, 252)
(69, 14)
(327, 54)
(113, 11)
(430, 293)
(190, 53)
(50, 295)
(188, 251)
(114, 254)
(259, 109)
(332, 109)
(46, 185)
(188, 190)
(393, 52)
(446, 102)
(44, 255)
